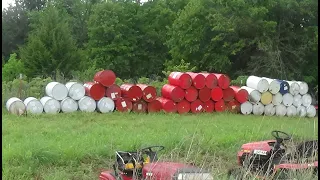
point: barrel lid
(220, 105)
(154, 106)
(208, 106)
(246, 108)
(228, 94)
(139, 106)
(191, 94)
(123, 104)
(113, 92)
(196, 106)
(105, 77)
(233, 106)
(183, 107)
(167, 105)
(204, 94)
(216, 93)
(211, 80)
(223, 80)
(149, 93)
(105, 105)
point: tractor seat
(128, 161)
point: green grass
(80, 145)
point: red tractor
(144, 165)
(273, 158)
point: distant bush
(240, 81)
(12, 69)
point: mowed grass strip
(80, 145)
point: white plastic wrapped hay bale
(33, 105)
(254, 95)
(302, 111)
(258, 108)
(274, 85)
(304, 88)
(50, 105)
(287, 99)
(15, 106)
(68, 105)
(246, 108)
(269, 110)
(56, 90)
(306, 100)
(277, 99)
(281, 110)
(294, 87)
(291, 111)
(105, 105)
(297, 100)
(257, 83)
(311, 111)
(75, 90)
(87, 104)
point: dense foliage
(273, 38)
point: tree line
(271, 38)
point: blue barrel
(284, 87)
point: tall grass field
(80, 145)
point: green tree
(50, 47)
(12, 69)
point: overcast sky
(5, 3)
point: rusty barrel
(105, 77)
(94, 90)
(228, 94)
(180, 79)
(140, 106)
(131, 91)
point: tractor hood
(260, 145)
(174, 171)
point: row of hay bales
(200, 92)
(277, 97)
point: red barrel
(139, 106)
(149, 93)
(216, 93)
(154, 106)
(95, 90)
(175, 93)
(197, 106)
(233, 106)
(198, 80)
(205, 94)
(167, 105)
(211, 80)
(220, 106)
(208, 106)
(131, 91)
(241, 95)
(183, 106)
(191, 94)
(180, 79)
(113, 92)
(228, 94)
(105, 77)
(123, 104)
(223, 80)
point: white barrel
(294, 87)
(15, 106)
(105, 105)
(258, 108)
(301, 111)
(50, 105)
(246, 108)
(304, 88)
(287, 99)
(281, 110)
(87, 104)
(68, 105)
(306, 100)
(56, 90)
(75, 90)
(297, 100)
(257, 83)
(274, 85)
(269, 110)
(277, 99)
(254, 95)
(33, 105)
(311, 111)
(291, 111)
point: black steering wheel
(280, 136)
(152, 149)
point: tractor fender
(107, 175)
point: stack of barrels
(277, 97)
(200, 92)
(102, 95)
